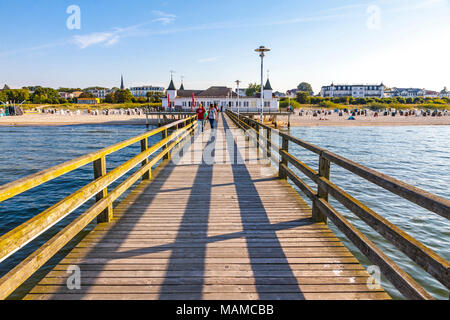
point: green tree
(123, 96)
(86, 95)
(252, 89)
(303, 97)
(155, 97)
(45, 95)
(110, 98)
(306, 87)
(3, 96)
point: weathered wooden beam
(299, 183)
(283, 161)
(418, 196)
(144, 147)
(324, 171)
(430, 261)
(19, 186)
(399, 278)
(100, 171)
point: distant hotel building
(355, 91)
(142, 91)
(411, 93)
(221, 96)
(100, 93)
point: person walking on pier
(212, 115)
(201, 116)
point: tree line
(42, 95)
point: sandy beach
(296, 120)
(66, 120)
(335, 120)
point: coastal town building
(241, 92)
(144, 90)
(444, 93)
(65, 95)
(278, 94)
(355, 91)
(411, 93)
(291, 93)
(100, 93)
(88, 100)
(221, 96)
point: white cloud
(106, 38)
(164, 18)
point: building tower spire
(182, 85)
(122, 87)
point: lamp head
(262, 50)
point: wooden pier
(215, 220)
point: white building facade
(142, 91)
(355, 91)
(223, 97)
(100, 93)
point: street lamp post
(262, 52)
(238, 82)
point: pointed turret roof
(171, 86)
(182, 87)
(268, 86)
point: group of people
(210, 115)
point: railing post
(192, 121)
(269, 143)
(164, 136)
(324, 171)
(100, 170)
(257, 136)
(284, 146)
(144, 147)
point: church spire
(268, 86)
(122, 87)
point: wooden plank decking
(231, 230)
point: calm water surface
(417, 155)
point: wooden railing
(102, 209)
(430, 261)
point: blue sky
(401, 42)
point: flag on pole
(169, 100)
(193, 102)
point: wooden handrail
(14, 188)
(426, 258)
(416, 195)
(20, 236)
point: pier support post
(164, 136)
(284, 146)
(144, 147)
(258, 142)
(269, 143)
(324, 171)
(100, 170)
